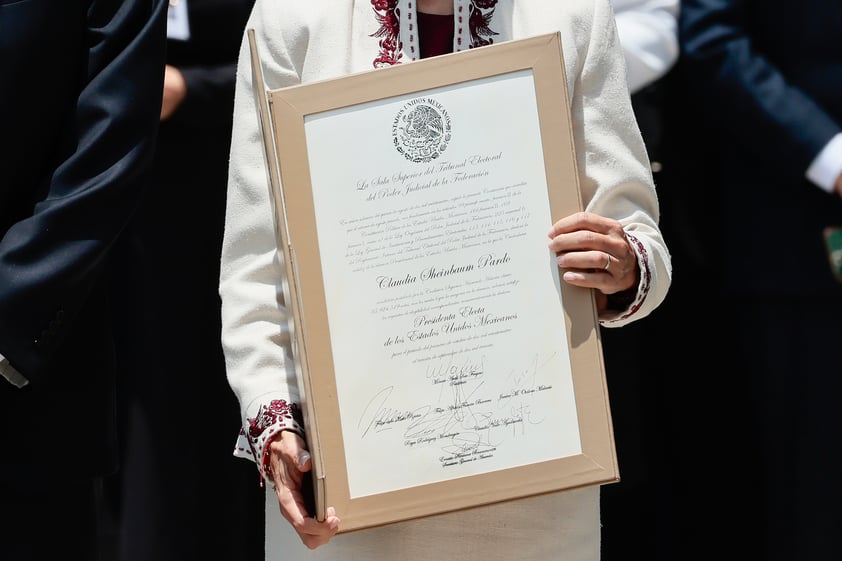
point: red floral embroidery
(388, 16)
(269, 415)
(646, 274)
(266, 424)
(479, 19)
(386, 12)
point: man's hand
(175, 90)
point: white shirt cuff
(13, 376)
(827, 166)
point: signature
(468, 419)
(378, 417)
(520, 389)
(456, 371)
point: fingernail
(302, 459)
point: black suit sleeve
(210, 95)
(52, 254)
(758, 86)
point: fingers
(582, 221)
(289, 460)
(593, 252)
(587, 231)
(292, 449)
(311, 532)
(597, 262)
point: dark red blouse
(435, 34)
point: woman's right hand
(289, 460)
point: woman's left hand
(594, 252)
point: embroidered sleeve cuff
(625, 304)
(255, 435)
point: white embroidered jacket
(318, 39)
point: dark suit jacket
(79, 105)
(170, 323)
(174, 241)
(768, 75)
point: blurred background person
(180, 494)
(680, 414)
(79, 103)
(648, 31)
(765, 77)
(649, 36)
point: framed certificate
(445, 364)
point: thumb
(304, 460)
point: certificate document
(443, 362)
(432, 218)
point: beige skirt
(559, 526)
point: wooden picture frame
(444, 364)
